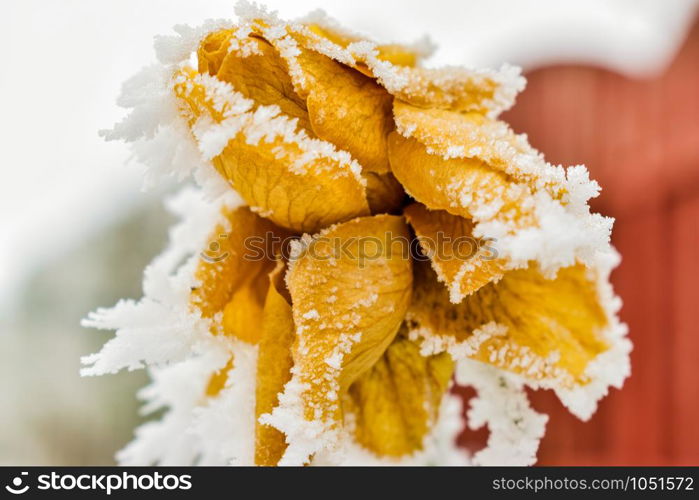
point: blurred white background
(77, 231)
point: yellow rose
(336, 142)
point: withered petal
(462, 186)
(449, 134)
(397, 400)
(462, 262)
(347, 308)
(350, 110)
(258, 72)
(300, 183)
(274, 362)
(547, 330)
(231, 280)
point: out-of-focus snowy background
(76, 231)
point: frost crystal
(502, 405)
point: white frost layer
(225, 424)
(423, 47)
(159, 136)
(162, 332)
(502, 404)
(562, 236)
(161, 327)
(178, 388)
(196, 429)
(304, 437)
(431, 344)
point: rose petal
(457, 89)
(536, 211)
(274, 362)
(398, 399)
(218, 380)
(349, 109)
(213, 49)
(232, 275)
(268, 161)
(384, 193)
(394, 67)
(350, 289)
(472, 135)
(400, 55)
(462, 262)
(547, 330)
(257, 71)
(461, 186)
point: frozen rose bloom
(336, 142)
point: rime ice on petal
(490, 91)
(305, 437)
(225, 425)
(613, 366)
(434, 344)
(177, 388)
(163, 332)
(146, 332)
(534, 210)
(502, 405)
(216, 432)
(160, 328)
(263, 124)
(423, 47)
(174, 49)
(159, 136)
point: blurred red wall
(640, 140)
